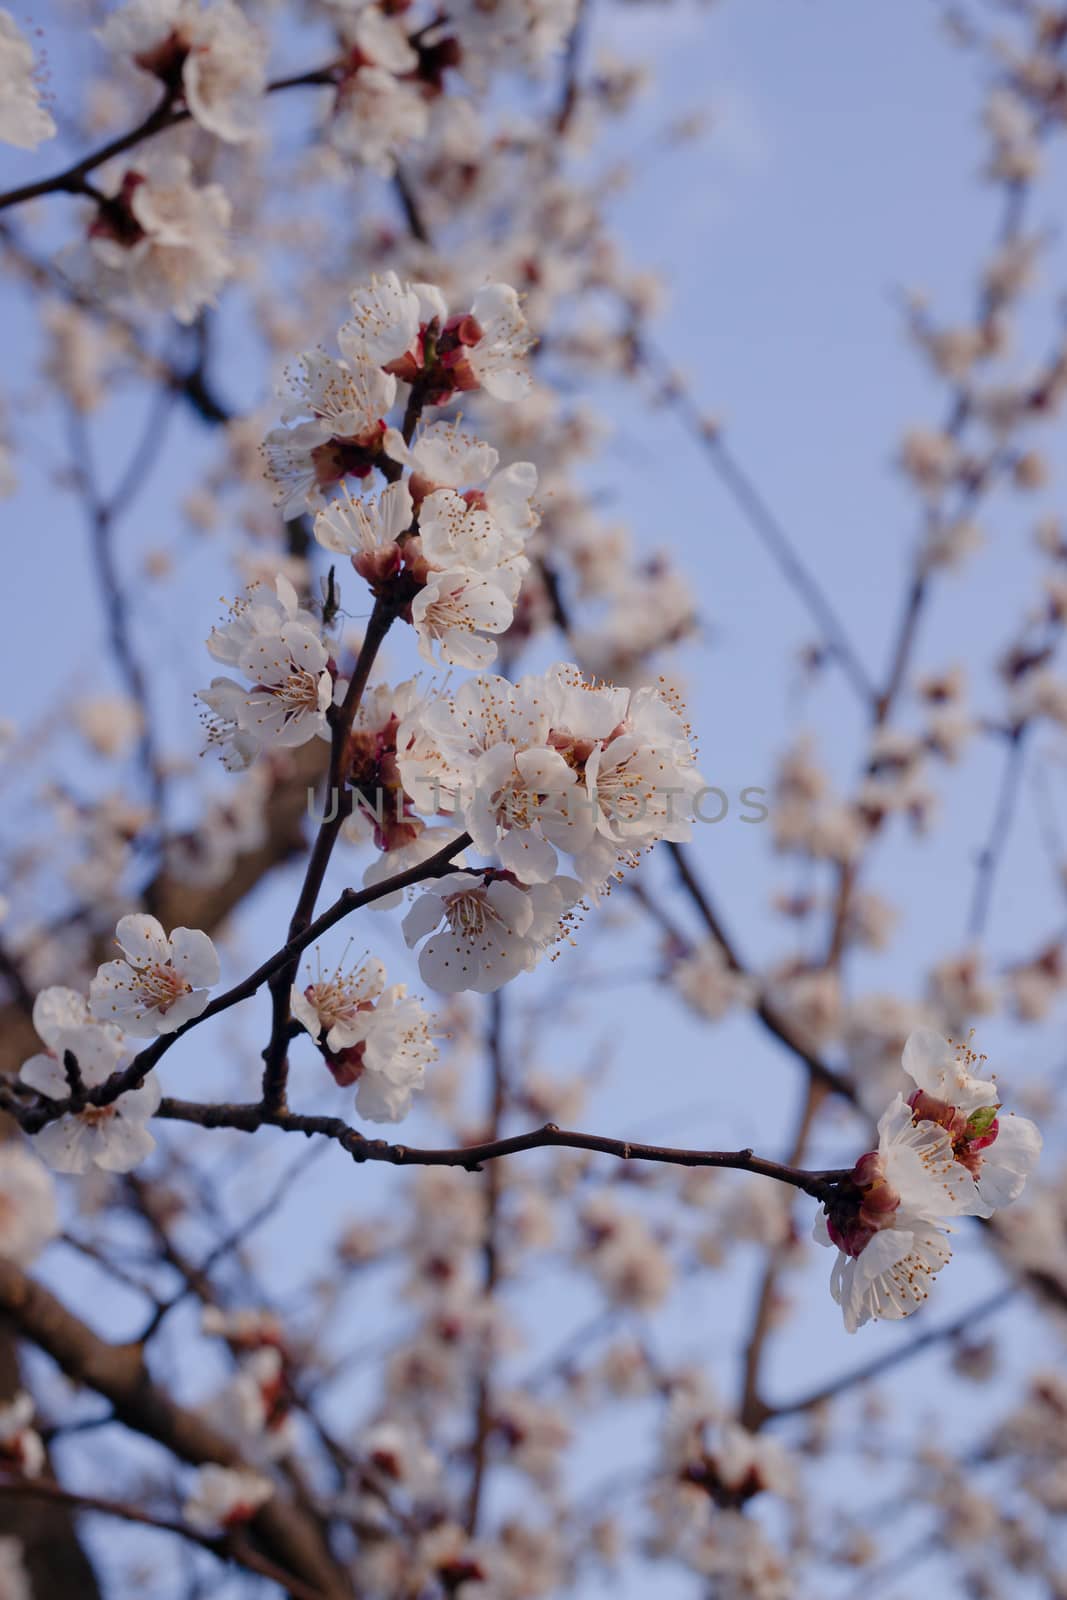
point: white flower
(272, 640)
(753, 1461)
(376, 1037)
(250, 1408)
(301, 462)
(707, 982)
(498, 358)
(455, 611)
(220, 56)
(892, 1276)
(20, 1444)
(112, 1137)
(392, 862)
(346, 401)
(336, 1006)
(629, 1261)
(382, 40)
(397, 1051)
(890, 1240)
(395, 1452)
(485, 530)
(28, 1216)
(1002, 1168)
(443, 455)
(160, 240)
(998, 1152)
(109, 723)
(257, 614)
(23, 119)
(529, 30)
(386, 315)
(349, 396)
(446, 741)
(943, 1071)
(492, 931)
(375, 116)
(223, 1497)
(644, 780)
(245, 1326)
(293, 689)
(224, 700)
(162, 983)
(366, 529)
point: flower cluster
(943, 1153)
(225, 1497)
(271, 639)
(160, 240)
(375, 1036)
(398, 333)
(210, 56)
(160, 984)
(452, 555)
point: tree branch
(249, 1117)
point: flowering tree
(341, 275)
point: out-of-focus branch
(572, 61)
(232, 1548)
(483, 1401)
(409, 204)
(895, 1358)
(190, 385)
(752, 1410)
(821, 1072)
(119, 1374)
(196, 1277)
(756, 511)
(992, 852)
(102, 515)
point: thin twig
(165, 115)
(249, 1117)
(894, 1358)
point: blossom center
(469, 914)
(161, 985)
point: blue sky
(840, 167)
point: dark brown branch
(382, 617)
(249, 1117)
(436, 866)
(275, 1070)
(72, 180)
